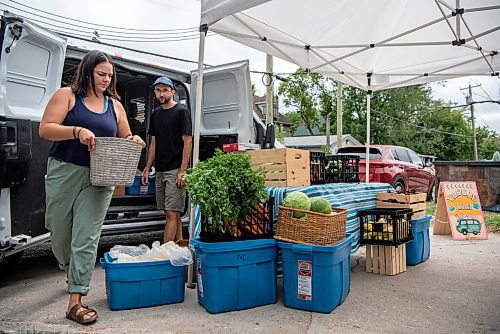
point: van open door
(30, 72)
(227, 113)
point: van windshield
(360, 151)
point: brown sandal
(80, 316)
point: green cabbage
(321, 205)
(297, 200)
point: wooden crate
(416, 202)
(386, 260)
(285, 167)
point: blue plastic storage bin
(235, 275)
(142, 284)
(138, 189)
(419, 249)
(316, 278)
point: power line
(422, 127)
(103, 31)
(102, 25)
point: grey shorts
(169, 197)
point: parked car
(396, 165)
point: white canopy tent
(372, 45)
(369, 44)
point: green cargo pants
(74, 216)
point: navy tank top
(102, 124)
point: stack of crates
(317, 162)
(341, 168)
(385, 233)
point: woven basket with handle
(114, 161)
(316, 229)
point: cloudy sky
(170, 28)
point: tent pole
(368, 100)
(196, 135)
(339, 116)
(368, 116)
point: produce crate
(317, 229)
(419, 250)
(388, 226)
(258, 226)
(317, 162)
(142, 284)
(386, 260)
(285, 167)
(341, 168)
(316, 278)
(237, 275)
(415, 202)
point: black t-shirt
(168, 126)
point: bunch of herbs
(226, 188)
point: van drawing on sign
(467, 226)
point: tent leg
(196, 135)
(368, 112)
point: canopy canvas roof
(393, 43)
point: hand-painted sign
(458, 211)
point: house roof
(317, 141)
(258, 100)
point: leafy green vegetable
(226, 188)
(297, 200)
(321, 205)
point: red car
(396, 165)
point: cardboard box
(119, 191)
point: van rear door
(227, 113)
(31, 65)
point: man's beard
(165, 100)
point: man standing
(170, 145)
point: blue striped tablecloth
(351, 196)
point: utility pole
(269, 90)
(470, 102)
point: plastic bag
(178, 256)
(119, 251)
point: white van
(34, 63)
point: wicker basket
(114, 161)
(317, 229)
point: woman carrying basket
(75, 211)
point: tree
(488, 142)
(298, 92)
(406, 116)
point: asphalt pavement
(457, 290)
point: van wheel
(464, 232)
(475, 233)
(399, 185)
(8, 264)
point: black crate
(342, 168)
(257, 226)
(317, 163)
(387, 226)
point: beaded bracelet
(74, 134)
